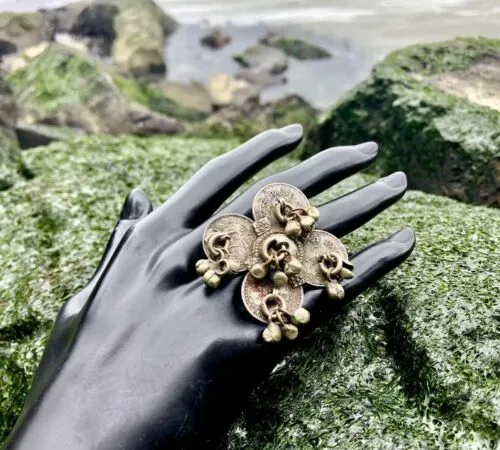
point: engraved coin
(317, 244)
(254, 291)
(241, 238)
(267, 199)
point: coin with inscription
(254, 291)
(241, 238)
(266, 200)
(317, 244)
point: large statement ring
(281, 251)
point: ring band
(282, 251)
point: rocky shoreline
(416, 359)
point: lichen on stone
(447, 142)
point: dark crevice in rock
(24, 328)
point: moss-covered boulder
(435, 109)
(66, 88)
(413, 362)
(21, 30)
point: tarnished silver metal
(281, 251)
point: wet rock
(435, 110)
(295, 48)
(36, 135)
(21, 30)
(224, 90)
(65, 88)
(193, 96)
(216, 39)
(263, 57)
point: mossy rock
(67, 88)
(435, 109)
(415, 360)
(295, 48)
(244, 121)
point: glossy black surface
(146, 356)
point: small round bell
(272, 333)
(293, 229)
(211, 279)
(258, 271)
(335, 290)
(307, 223)
(293, 267)
(202, 266)
(290, 331)
(279, 278)
(313, 212)
(301, 316)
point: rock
(225, 90)
(36, 135)
(72, 42)
(139, 46)
(11, 63)
(21, 30)
(133, 33)
(216, 39)
(421, 348)
(65, 18)
(295, 48)
(248, 119)
(260, 77)
(96, 20)
(267, 58)
(12, 167)
(435, 109)
(65, 88)
(415, 359)
(147, 122)
(193, 95)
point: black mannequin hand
(136, 206)
(155, 359)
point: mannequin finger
(344, 214)
(314, 175)
(203, 194)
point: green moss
(58, 79)
(442, 57)
(412, 363)
(416, 359)
(446, 144)
(155, 100)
